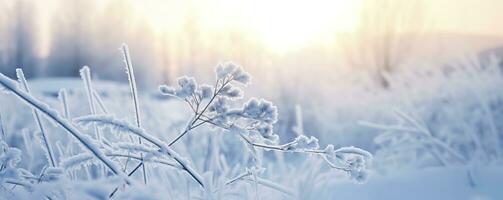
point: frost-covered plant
(411, 142)
(452, 121)
(84, 140)
(253, 121)
(44, 137)
(105, 149)
(136, 103)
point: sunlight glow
(279, 24)
(283, 23)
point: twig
(198, 116)
(85, 74)
(134, 93)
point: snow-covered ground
(435, 135)
(450, 183)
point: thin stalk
(50, 152)
(134, 93)
(100, 102)
(63, 97)
(85, 74)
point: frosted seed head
(243, 78)
(239, 75)
(167, 90)
(251, 108)
(265, 130)
(270, 112)
(230, 68)
(233, 93)
(220, 71)
(225, 70)
(302, 143)
(186, 86)
(206, 91)
(260, 110)
(219, 106)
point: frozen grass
(438, 140)
(216, 111)
(84, 140)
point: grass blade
(43, 108)
(50, 152)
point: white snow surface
(449, 183)
(405, 165)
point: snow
(437, 183)
(211, 142)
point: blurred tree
(17, 38)
(384, 36)
(70, 38)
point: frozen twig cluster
(253, 121)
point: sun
(284, 24)
(281, 25)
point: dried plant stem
(100, 102)
(38, 119)
(85, 74)
(63, 97)
(134, 93)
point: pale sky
(469, 16)
(280, 24)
